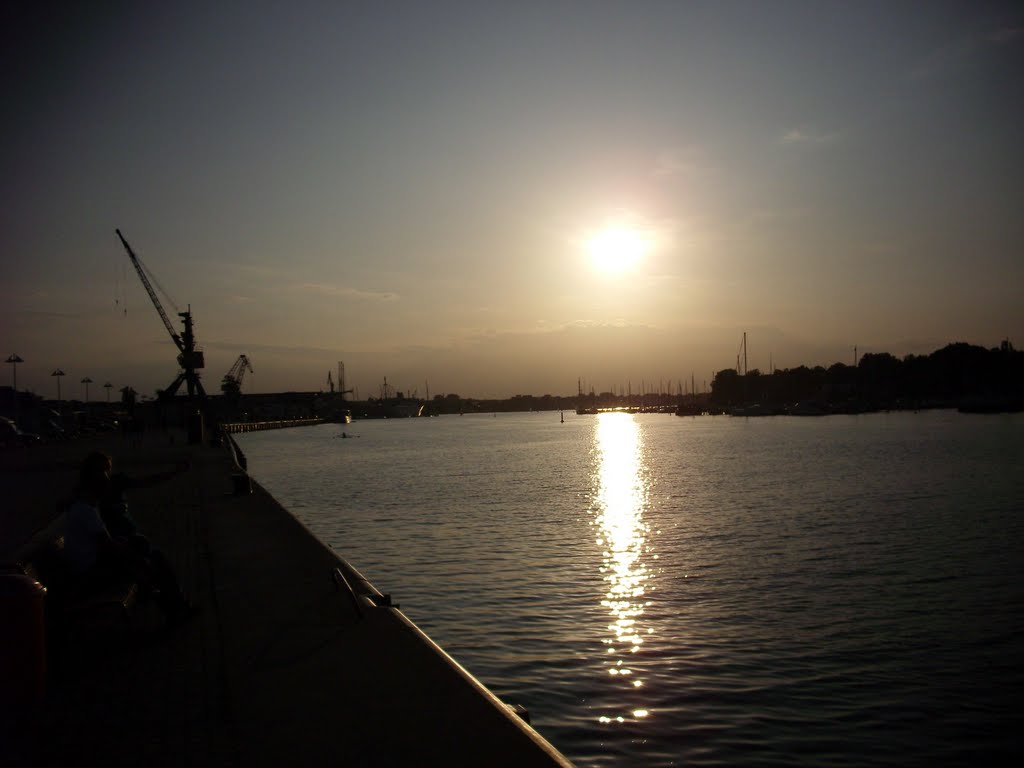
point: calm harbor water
(718, 591)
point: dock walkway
(279, 667)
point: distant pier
(260, 426)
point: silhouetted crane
(189, 358)
(237, 372)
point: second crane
(233, 378)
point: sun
(617, 248)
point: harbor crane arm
(152, 294)
(238, 370)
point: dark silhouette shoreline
(968, 377)
(959, 375)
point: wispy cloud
(948, 58)
(540, 328)
(297, 350)
(807, 137)
(774, 216)
(957, 53)
(676, 161)
(39, 314)
(587, 324)
(345, 292)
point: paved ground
(279, 667)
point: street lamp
(87, 381)
(107, 387)
(14, 360)
(58, 373)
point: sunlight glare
(622, 499)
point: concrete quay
(282, 665)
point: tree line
(953, 375)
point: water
(701, 591)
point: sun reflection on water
(621, 499)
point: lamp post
(107, 387)
(87, 381)
(58, 373)
(14, 360)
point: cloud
(678, 162)
(585, 324)
(476, 335)
(41, 315)
(804, 136)
(345, 292)
(774, 216)
(289, 350)
(957, 53)
(948, 58)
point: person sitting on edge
(114, 504)
(97, 558)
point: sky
(421, 190)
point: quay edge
(408, 700)
(278, 667)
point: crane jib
(152, 294)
